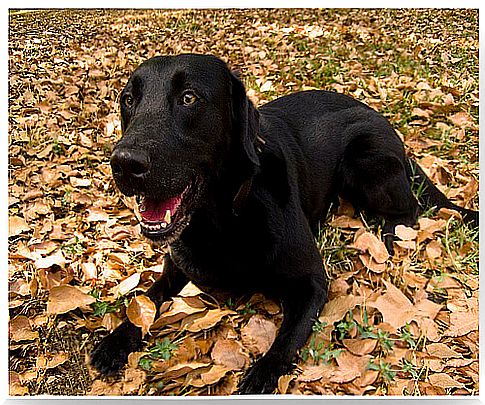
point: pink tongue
(154, 211)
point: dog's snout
(130, 163)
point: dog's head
(185, 120)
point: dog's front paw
(111, 354)
(262, 377)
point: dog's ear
(245, 120)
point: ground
(402, 325)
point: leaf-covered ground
(392, 326)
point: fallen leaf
(178, 310)
(433, 250)
(395, 307)
(141, 312)
(210, 377)
(462, 323)
(371, 264)
(133, 379)
(405, 232)
(442, 351)
(444, 381)
(258, 334)
(284, 382)
(20, 328)
(17, 225)
(360, 347)
(336, 309)
(125, 286)
(210, 319)
(181, 369)
(89, 270)
(15, 387)
(51, 361)
(65, 298)
(344, 221)
(369, 242)
(229, 353)
(462, 119)
(55, 259)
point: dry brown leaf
(101, 387)
(462, 323)
(65, 298)
(210, 319)
(344, 221)
(190, 290)
(96, 214)
(369, 242)
(371, 264)
(360, 347)
(55, 259)
(406, 244)
(314, 373)
(17, 225)
(141, 312)
(89, 270)
(395, 307)
(20, 328)
(51, 361)
(430, 329)
(258, 334)
(211, 376)
(351, 364)
(178, 310)
(133, 380)
(433, 250)
(125, 286)
(462, 119)
(229, 353)
(181, 369)
(284, 382)
(15, 387)
(444, 381)
(336, 309)
(442, 351)
(405, 232)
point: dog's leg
(301, 307)
(112, 352)
(378, 184)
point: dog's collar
(243, 192)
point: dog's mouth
(164, 220)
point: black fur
(282, 165)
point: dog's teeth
(164, 225)
(168, 217)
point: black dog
(238, 193)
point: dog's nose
(130, 163)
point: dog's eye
(128, 100)
(189, 98)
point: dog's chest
(227, 263)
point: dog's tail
(430, 196)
